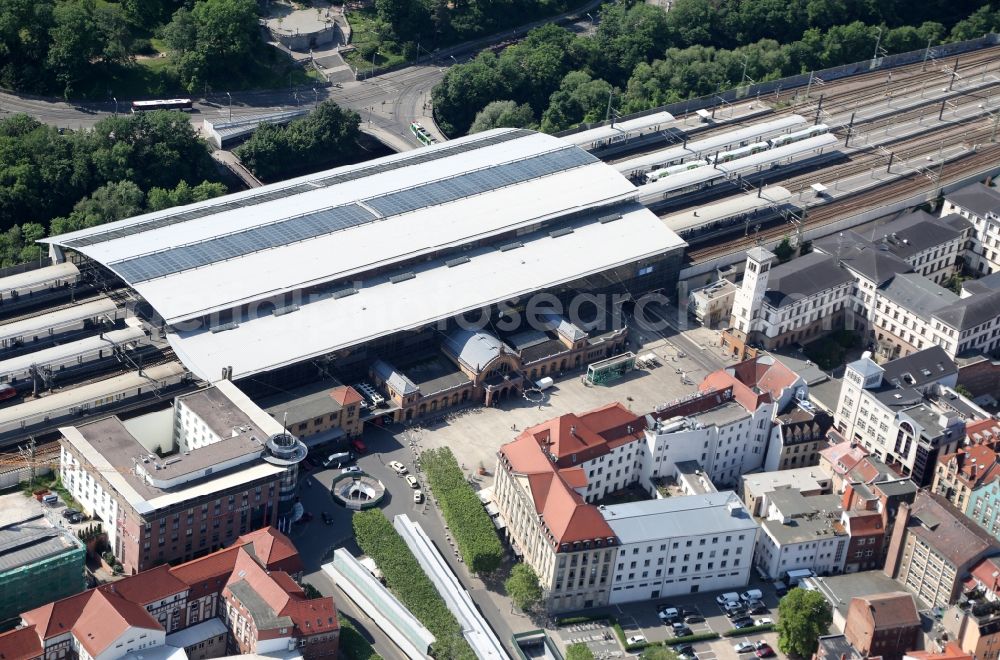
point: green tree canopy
(523, 588)
(502, 114)
(579, 652)
(802, 617)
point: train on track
(601, 137)
(44, 329)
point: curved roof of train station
(442, 205)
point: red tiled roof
(755, 381)
(843, 457)
(570, 440)
(57, 618)
(985, 431)
(207, 574)
(952, 651)
(975, 465)
(345, 395)
(864, 523)
(273, 549)
(895, 609)
(20, 644)
(987, 573)
(106, 617)
(149, 586)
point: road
(316, 541)
(387, 103)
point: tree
(523, 588)
(502, 114)
(964, 391)
(802, 617)
(75, 43)
(784, 250)
(579, 652)
(579, 99)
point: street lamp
(591, 19)
(373, 61)
(230, 105)
(116, 105)
(316, 96)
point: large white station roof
(432, 292)
(189, 261)
(357, 224)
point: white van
(728, 597)
(793, 577)
(751, 594)
(338, 460)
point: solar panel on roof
(185, 257)
(325, 221)
(609, 218)
(402, 277)
(511, 246)
(560, 232)
(479, 181)
(422, 156)
(343, 293)
(458, 261)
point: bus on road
(162, 104)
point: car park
(764, 621)
(397, 467)
(411, 481)
(729, 597)
(418, 496)
(743, 647)
(351, 470)
(751, 594)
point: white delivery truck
(544, 383)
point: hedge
(700, 637)
(736, 632)
(380, 541)
(470, 524)
(571, 620)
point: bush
(739, 632)
(352, 645)
(466, 516)
(579, 652)
(379, 540)
(700, 637)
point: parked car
(411, 481)
(751, 594)
(635, 639)
(668, 614)
(743, 647)
(327, 518)
(694, 618)
(757, 607)
(736, 613)
(729, 597)
(350, 470)
(764, 621)
(359, 446)
(764, 651)
(397, 467)
(70, 513)
(742, 622)
(418, 496)
(685, 649)
(683, 631)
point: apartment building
(980, 205)
(808, 481)
(236, 600)
(934, 548)
(793, 302)
(549, 482)
(680, 545)
(713, 304)
(889, 411)
(886, 625)
(800, 436)
(800, 532)
(178, 484)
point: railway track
(901, 188)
